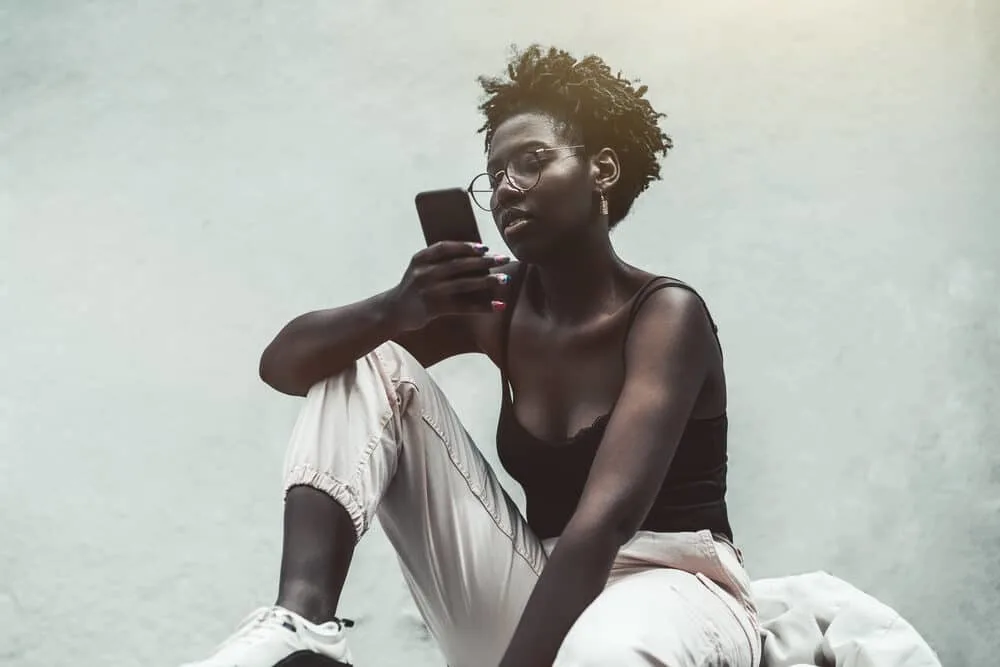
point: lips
(513, 216)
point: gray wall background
(178, 179)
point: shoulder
(669, 315)
(668, 302)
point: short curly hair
(604, 109)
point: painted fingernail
(501, 278)
(479, 247)
(501, 259)
(498, 305)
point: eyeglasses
(522, 172)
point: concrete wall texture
(178, 179)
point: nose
(505, 195)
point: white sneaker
(276, 637)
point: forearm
(320, 344)
(573, 577)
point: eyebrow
(530, 144)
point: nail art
(498, 305)
(501, 278)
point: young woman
(613, 420)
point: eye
(526, 163)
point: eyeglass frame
(507, 177)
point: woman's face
(561, 203)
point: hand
(447, 278)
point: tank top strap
(655, 284)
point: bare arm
(322, 343)
(429, 312)
(668, 356)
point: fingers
(468, 266)
(446, 250)
(455, 277)
(492, 284)
(480, 294)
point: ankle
(308, 601)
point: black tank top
(553, 473)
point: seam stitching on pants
(708, 548)
(694, 609)
(705, 581)
(366, 456)
(711, 551)
(479, 496)
(426, 417)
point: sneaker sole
(310, 659)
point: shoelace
(252, 627)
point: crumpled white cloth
(818, 620)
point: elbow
(622, 529)
(265, 368)
(610, 527)
(625, 530)
(614, 525)
(277, 373)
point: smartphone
(446, 215)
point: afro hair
(602, 108)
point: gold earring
(604, 204)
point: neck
(581, 280)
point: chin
(532, 251)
